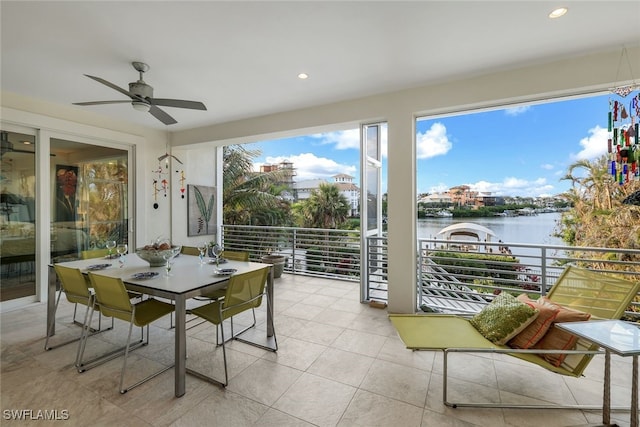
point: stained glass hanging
(623, 143)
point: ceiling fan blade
(112, 86)
(102, 102)
(178, 103)
(162, 116)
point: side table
(621, 338)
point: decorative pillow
(557, 339)
(536, 329)
(566, 314)
(503, 319)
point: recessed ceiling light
(557, 13)
(26, 142)
(303, 76)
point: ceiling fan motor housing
(141, 89)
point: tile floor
(339, 363)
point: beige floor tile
(370, 409)
(316, 400)
(342, 366)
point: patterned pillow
(557, 339)
(503, 319)
(536, 329)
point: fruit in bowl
(156, 254)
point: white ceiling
(242, 58)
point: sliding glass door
(17, 213)
(90, 199)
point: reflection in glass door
(90, 203)
(17, 215)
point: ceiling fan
(6, 146)
(142, 99)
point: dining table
(188, 278)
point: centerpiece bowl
(156, 256)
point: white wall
(199, 166)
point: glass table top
(622, 338)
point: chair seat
(150, 310)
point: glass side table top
(622, 338)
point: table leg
(181, 346)
(51, 302)
(270, 303)
(634, 393)
(606, 395)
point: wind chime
(622, 124)
(623, 142)
(161, 183)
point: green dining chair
(235, 255)
(113, 300)
(74, 286)
(94, 253)
(219, 293)
(244, 292)
(189, 250)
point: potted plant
(278, 262)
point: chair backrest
(235, 255)
(244, 291)
(73, 284)
(189, 250)
(112, 296)
(602, 295)
(94, 253)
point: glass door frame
(370, 157)
(26, 130)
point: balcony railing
(453, 276)
(316, 252)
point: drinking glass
(202, 248)
(168, 258)
(121, 249)
(110, 244)
(217, 251)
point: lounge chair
(601, 295)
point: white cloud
(349, 139)
(594, 145)
(512, 186)
(309, 166)
(547, 166)
(342, 140)
(434, 142)
(516, 111)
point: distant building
(287, 174)
(302, 190)
(349, 190)
(436, 199)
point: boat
(476, 234)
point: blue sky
(520, 151)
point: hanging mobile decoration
(159, 184)
(623, 143)
(182, 180)
(155, 193)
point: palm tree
(250, 197)
(325, 208)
